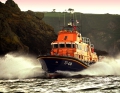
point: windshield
(63, 46)
(68, 45)
(55, 46)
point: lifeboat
(70, 52)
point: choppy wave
(106, 84)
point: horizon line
(69, 12)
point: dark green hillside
(102, 29)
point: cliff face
(23, 31)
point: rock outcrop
(13, 5)
(23, 31)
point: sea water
(17, 74)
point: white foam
(19, 66)
(107, 66)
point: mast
(59, 18)
(64, 18)
(81, 23)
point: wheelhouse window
(68, 45)
(62, 45)
(55, 45)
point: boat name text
(68, 63)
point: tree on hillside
(53, 10)
(71, 10)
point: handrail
(86, 40)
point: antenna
(59, 18)
(64, 18)
(72, 12)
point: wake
(105, 67)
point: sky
(83, 6)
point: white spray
(17, 66)
(106, 66)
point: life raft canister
(92, 50)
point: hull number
(68, 63)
